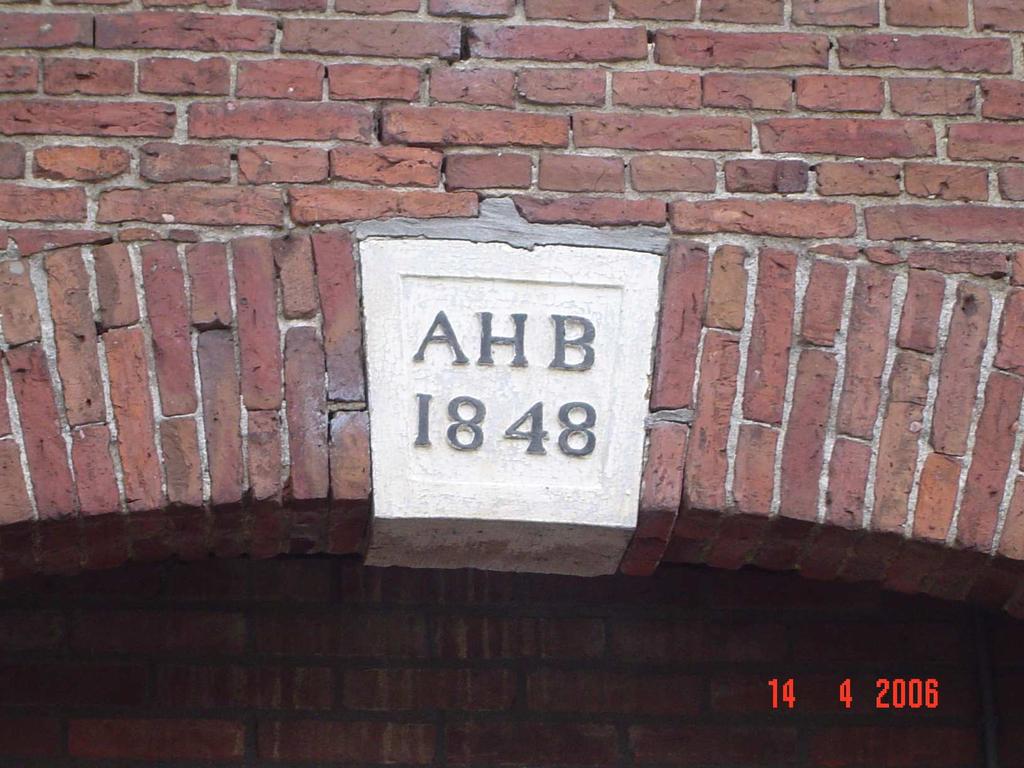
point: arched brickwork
(838, 384)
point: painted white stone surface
(562, 508)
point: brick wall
(306, 661)
(843, 299)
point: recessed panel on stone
(507, 395)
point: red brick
(656, 89)
(133, 412)
(268, 164)
(773, 92)
(832, 93)
(766, 176)
(947, 182)
(280, 79)
(310, 206)
(371, 37)
(926, 13)
(31, 736)
(579, 744)
(155, 632)
(482, 171)
(216, 687)
(919, 324)
(15, 505)
(91, 456)
(342, 321)
(350, 456)
(970, 262)
(960, 370)
(1010, 356)
(221, 414)
(280, 121)
(95, 77)
(388, 166)
(24, 203)
(898, 443)
(743, 50)
(192, 204)
(179, 442)
(1017, 276)
(707, 459)
(450, 126)
(835, 13)
(737, 12)
(264, 454)
(765, 217)
(164, 283)
(561, 86)
(293, 257)
(44, 446)
(569, 173)
(75, 335)
(755, 469)
(1011, 183)
(727, 289)
(858, 178)
(157, 739)
(12, 161)
(259, 339)
(621, 131)
(418, 689)
(368, 81)
(80, 163)
(375, 6)
(936, 497)
(768, 354)
(549, 43)
(185, 31)
(479, 8)
(990, 463)
(115, 286)
(668, 10)
(865, 745)
(680, 326)
(45, 30)
(860, 138)
(702, 744)
(307, 414)
(573, 10)
(946, 53)
(823, 303)
(346, 741)
(18, 74)
(960, 224)
(981, 141)
(1004, 99)
(185, 77)
(932, 96)
(494, 87)
(847, 480)
(18, 311)
(5, 414)
(165, 162)
(866, 345)
(598, 691)
(592, 211)
(666, 173)
(1002, 15)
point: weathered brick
(898, 442)
(947, 53)
(680, 325)
(180, 446)
(192, 204)
(91, 456)
(483, 86)
(133, 412)
(771, 336)
(5, 414)
(803, 451)
(388, 166)
(847, 481)
(45, 451)
(727, 289)
(836, 13)
(210, 285)
(753, 487)
(561, 86)
(375, 6)
(766, 176)
(88, 118)
(860, 138)
(858, 178)
(936, 497)
(156, 739)
(570, 173)
(369, 81)
(823, 303)
(750, 12)
(919, 323)
(350, 456)
(15, 506)
(656, 89)
(1004, 99)
(371, 37)
(75, 336)
(311, 206)
(572, 10)
(592, 211)
(482, 171)
(164, 283)
(307, 414)
(450, 126)
(479, 8)
(45, 30)
(222, 414)
(93, 77)
(280, 121)
(280, 79)
(1011, 543)
(667, 10)
(549, 43)
(87, 164)
(960, 370)
(18, 74)
(760, 217)
(264, 454)
(293, 257)
(960, 224)
(1002, 15)
(986, 141)
(258, 333)
(1010, 356)
(185, 77)
(946, 182)
(667, 173)
(866, 344)
(622, 131)
(742, 50)
(962, 261)
(926, 13)
(185, 31)
(772, 92)
(12, 161)
(409, 743)
(166, 162)
(1011, 183)
(19, 313)
(833, 93)
(342, 321)
(269, 164)
(932, 96)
